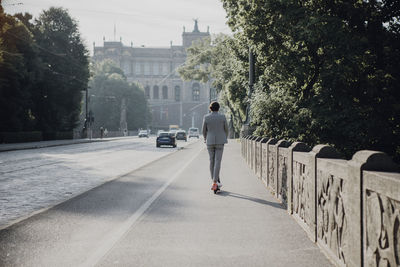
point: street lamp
(246, 124)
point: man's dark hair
(214, 106)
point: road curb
(37, 146)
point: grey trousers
(215, 153)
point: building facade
(172, 101)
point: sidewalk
(243, 225)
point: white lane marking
(109, 241)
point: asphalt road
(35, 179)
(164, 214)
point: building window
(165, 92)
(160, 68)
(126, 67)
(177, 93)
(156, 68)
(142, 68)
(147, 68)
(137, 68)
(177, 65)
(147, 92)
(165, 68)
(196, 92)
(155, 92)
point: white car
(143, 133)
(193, 132)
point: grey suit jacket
(215, 129)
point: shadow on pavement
(257, 200)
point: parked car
(166, 139)
(173, 132)
(181, 135)
(143, 133)
(193, 132)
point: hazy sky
(143, 22)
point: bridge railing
(350, 208)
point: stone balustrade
(350, 208)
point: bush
(20, 137)
(58, 135)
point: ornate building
(171, 100)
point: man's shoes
(214, 187)
(219, 184)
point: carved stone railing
(271, 163)
(282, 170)
(331, 203)
(264, 161)
(381, 217)
(295, 147)
(261, 154)
(351, 209)
(303, 192)
(256, 160)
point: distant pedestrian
(101, 132)
(215, 133)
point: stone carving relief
(331, 216)
(271, 170)
(301, 192)
(282, 173)
(382, 230)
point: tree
(328, 70)
(19, 73)
(221, 62)
(66, 71)
(109, 89)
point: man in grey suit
(215, 133)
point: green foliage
(221, 62)
(66, 71)
(327, 70)
(18, 74)
(109, 88)
(20, 137)
(43, 71)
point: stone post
(365, 160)
(248, 150)
(256, 156)
(271, 141)
(256, 153)
(260, 170)
(252, 144)
(245, 148)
